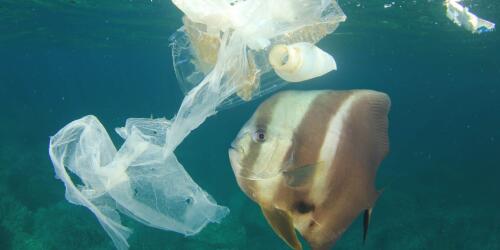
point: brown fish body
(315, 168)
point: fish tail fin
(366, 222)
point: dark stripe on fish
(308, 139)
(263, 117)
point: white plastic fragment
(461, 16)
(300, 61)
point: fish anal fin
(366, 222)
(282, 224)
(302, 175)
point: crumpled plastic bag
(135, 180)
(258, 25)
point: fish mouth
(235, 147)
(234, 158)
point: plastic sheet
(462, 17)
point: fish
(309, 159)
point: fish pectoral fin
(282, 224)
(366, 222)
(302, 175)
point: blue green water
(61, 60)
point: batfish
(309, 159)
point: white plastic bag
(136, 180)
(255, 26)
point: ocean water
(61, 60)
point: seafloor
(61, 60)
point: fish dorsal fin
(302, 175)
(282, 224)
(366, 222)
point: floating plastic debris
(221, 57)
(137, 180)
(461, 16)
(248, 30)
(304, 61)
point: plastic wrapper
(462, 17)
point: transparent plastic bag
(136, 180)
(262, 24)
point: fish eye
(259, 135)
